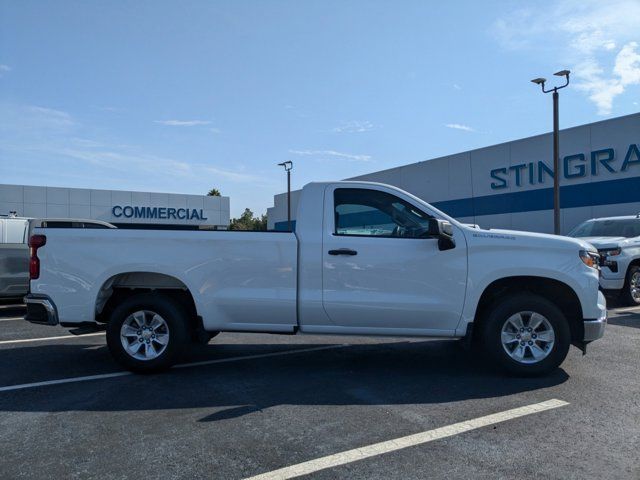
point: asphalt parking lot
(356, 408)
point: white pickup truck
(618, 242)
(365, 259)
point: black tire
(625, 295)
(176, 321)
(491, 335)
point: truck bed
(244, 281)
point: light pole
(556, 145)
(288, 165)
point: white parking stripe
(45, 339)
(11, 319)
(625, 309)
(23, 386)
(361, 453)
(63, 380)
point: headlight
(590, 259)
(611, 252)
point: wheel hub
(144, 335)
(635, 286)
(527, 337)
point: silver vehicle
(618, 242)
(14, 249)
(14, 256)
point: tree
(248, 222)
(214, 192)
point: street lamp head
(288, 165)
(562, 73)
(539, 81)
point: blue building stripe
(608, 192)
(623, 190)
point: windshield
(608, 228)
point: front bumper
(40, 310)
(612, 283)
(594, 329)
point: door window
(365, 212)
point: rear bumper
(594, 328)
(41, 310)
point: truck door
(381, 272)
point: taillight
(35, 242)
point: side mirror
(443, 231)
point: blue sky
(183, 96)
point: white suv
(618, 242)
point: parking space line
(44, 339)
(11, 319)
(64, 380)
(349, 456)
(87, 378)
(625, 309)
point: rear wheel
(526, 335)
(631, 292)
(147, 333)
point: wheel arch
(123, 285)
(634, 263)
(556, 291)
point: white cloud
(4, 69)
(595, 39)
(51, 140)
(603, 89)
(627, 66)
(354, 126)
(35, 117)
(327, 154)
(231, 175)
(457, 87)
(182, 123)
(459, 126)
(215, 130)
(129, 159)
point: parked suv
(618, 242)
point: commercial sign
(575, 166)
(161, 213)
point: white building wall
(55, 202)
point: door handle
(343, 251)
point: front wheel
(147, 333)
(526, 335)
(631, 291)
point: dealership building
(121, 208)
(510, 185)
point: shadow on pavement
(421, 372)
(11, 309)
(626, 319)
